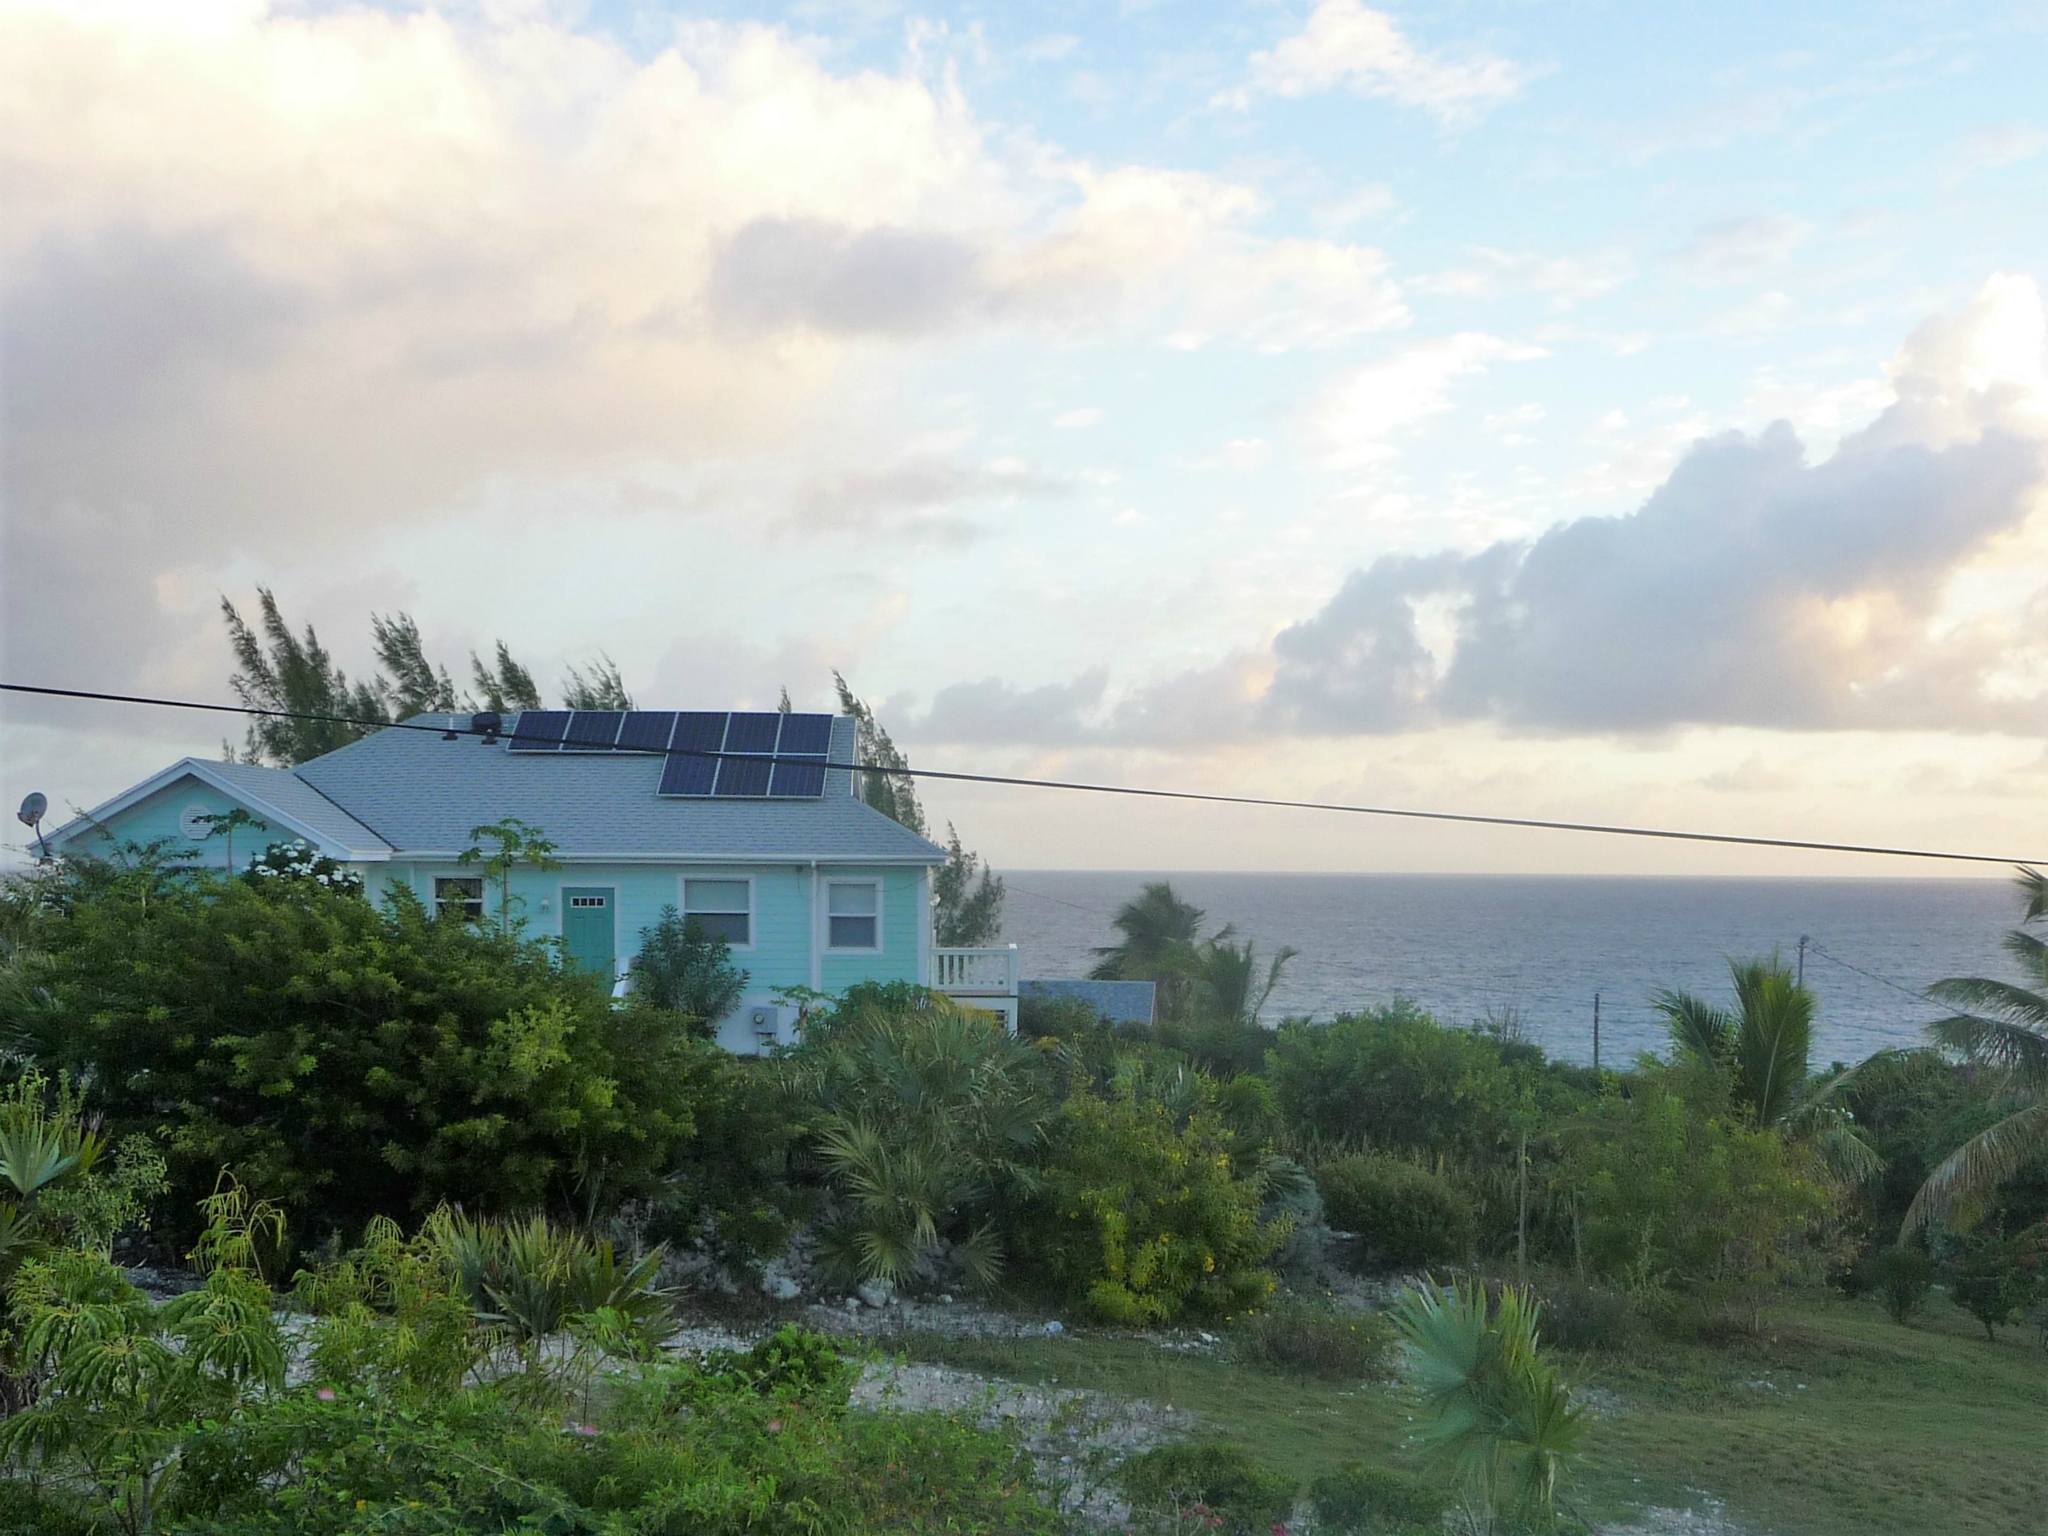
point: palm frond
(1969, 1175)
(1698, 1029)
(1997, 999)
(2012, 1046)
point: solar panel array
(783, 755)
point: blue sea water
(1466, 946)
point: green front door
(587, 928)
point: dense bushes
(345, 1059)
(1406, 1215)
(1316, 1340)
(928, 1121)
(413, 1419)
(1396, 1079)
(1143, 1212)
(1358, 1500)
(1676, 1190)
(1207, 1486)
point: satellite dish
(33, 805)
(487, 723)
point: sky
(1587, 411)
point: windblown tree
(1761, 1048)
(2005, 1029)
(295, 675)
(967, 896)
(602, 689)
(506, 686)
(891, 791)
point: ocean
(1540, 947)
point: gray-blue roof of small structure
(1120, 1002)
(423, 795)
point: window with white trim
(460, 897)
(721, 908)
(853, 914)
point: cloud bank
(1901, 583)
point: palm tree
(1762, 1046)
(2007, 1030)
(1158, 927)
(1502, 1424)
(926, 1119)
(1229, 978)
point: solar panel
(743, 778)
(593, 730)
(807, 734)
(647, 730)
(752, 733)
(539, 730)
(798, 781)
(805, 737)
(686, 775)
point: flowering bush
(298, 861)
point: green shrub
(345, 1059)
(1142, 1211)
(1208, 1484)
(928, 1121)
(1675, 1190)
(1359, 1500)
(1902, 1277)
(683, 969)
(177, 1416)
(1406, 1215)
(1316, 1340)
(1399, 1079)
(794, 1362)
(1995, 1278)
(1581, 1316)
(534, 1278)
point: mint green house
(749, 823)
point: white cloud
(1346, 45)
(1083, 416)
(1898, 584)
(2005, 144)
(1564, 280)
(1734, 250)
(1358, 419)
(273, 276)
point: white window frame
(853, 949)
(753, 906)
(442, 903)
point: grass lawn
(1911, 1431)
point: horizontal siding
(780, 954)
(158, 816)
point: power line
(1827, 954)
(1079, 787)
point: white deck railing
(976, 972)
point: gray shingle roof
(422, 795)
(301, 800)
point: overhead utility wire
(1134, 791)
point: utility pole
(1596, 1031)
(1802, 960)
